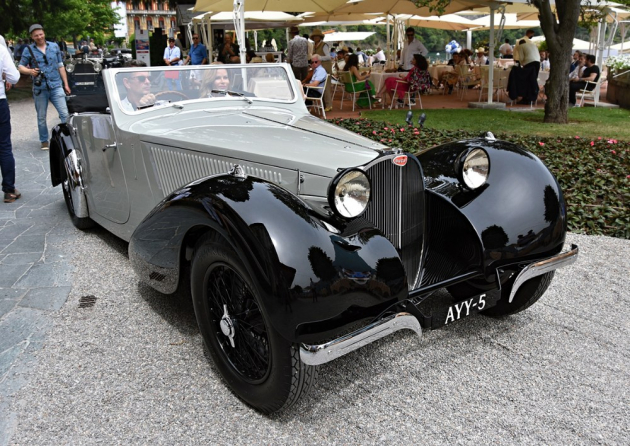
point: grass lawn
(586, 122)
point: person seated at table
(544, 61)
(417, 79)
(506, 50)
(481, 58)
(466, 55)
(379, 56)
(340, 63)
(590, 74)
(360, 80)
(449, 78)
(269, 58)
(318, 78)
(217, 80)
(576, 60)
(579, 66)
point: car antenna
(421, 120)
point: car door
(107, 187)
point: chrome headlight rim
(464, 159)
(333, 188)
(69, 67)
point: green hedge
(594, 173)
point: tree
(60, 18)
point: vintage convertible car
(301, 241)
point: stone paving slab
(35, 268)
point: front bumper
(323, 353)
(544, 266)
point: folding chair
(349, 87)
(407, 97)
(592, 94)
(317, 103)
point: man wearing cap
(412, 46)
(481, 58)
(10, 76)
(44, 62)
(322, 49)
(297, 54)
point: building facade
(151, 14)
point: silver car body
(135, 158)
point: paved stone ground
(35, 267)
(132, 368)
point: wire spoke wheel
(229, 297)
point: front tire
(259, 366)
(79, 222)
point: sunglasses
(142, 78)
(195, 38)
(410, 35)
(315, 61)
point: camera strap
(30, 50)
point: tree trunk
(559, 32)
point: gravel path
(132, 369)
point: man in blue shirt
(44, 62)
(317, 80)
(197, 55)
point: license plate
(84, 83)
(471, 305)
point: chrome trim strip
(323, 353)
(544, 266)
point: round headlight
(351, 194)
(70, 68)
(97, 66)
(475, 168)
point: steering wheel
(165, 93)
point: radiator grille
(176, 168)
(397, 209)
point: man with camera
(44, 62)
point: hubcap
(227, 326)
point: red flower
(402, 129)
(577, 137)
(541, 143)
(613, 152)
(373, 132)
(592, 143)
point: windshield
(141, 87)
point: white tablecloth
(543, 76)
(437, 70)
(269, 88)
(378, 79)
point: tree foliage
(60, 18)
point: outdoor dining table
(436, 71)
(378, 78)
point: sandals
(10, 197)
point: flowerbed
(594, 173)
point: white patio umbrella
(405, 7)
(578, 44)
(271, 5)
(452, 22)
(346, 36)
(511, 22)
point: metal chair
(349, 87)
(466, 79)
(592, 94)
(408, 95)
(317, 102)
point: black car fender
(314, 276)
(61, 145)
(518, 215)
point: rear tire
(79, 222)
(260, 367)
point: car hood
(271, 137)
